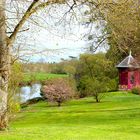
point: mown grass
(41, 76)
(117, 117)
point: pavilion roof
(129, 62)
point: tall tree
(120, 26)
(6, 44)
(123, 27)
(4, 67)
(95, 75)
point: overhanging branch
(34, 7)
(21, 22)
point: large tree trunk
(4, 68)
(5, 43)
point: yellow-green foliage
(15, 78)
(14, 106)
(123, 28)
(136, 90)
(16, 75)
(94, 75)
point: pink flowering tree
(58, 90)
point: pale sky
(52, 47)
(61, 46)
(56, 44)
(56, 36)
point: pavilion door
(131, 80)
(124, 78)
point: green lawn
(117, 117)
(40, 76)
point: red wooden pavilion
(129, 73)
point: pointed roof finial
(129, 62)
(130, 53)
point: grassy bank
(117, 117)
(40, 76)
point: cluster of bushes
(93, 75)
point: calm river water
(29, 92)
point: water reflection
(29, 92)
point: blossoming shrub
(58, 90)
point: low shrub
(136, 90)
